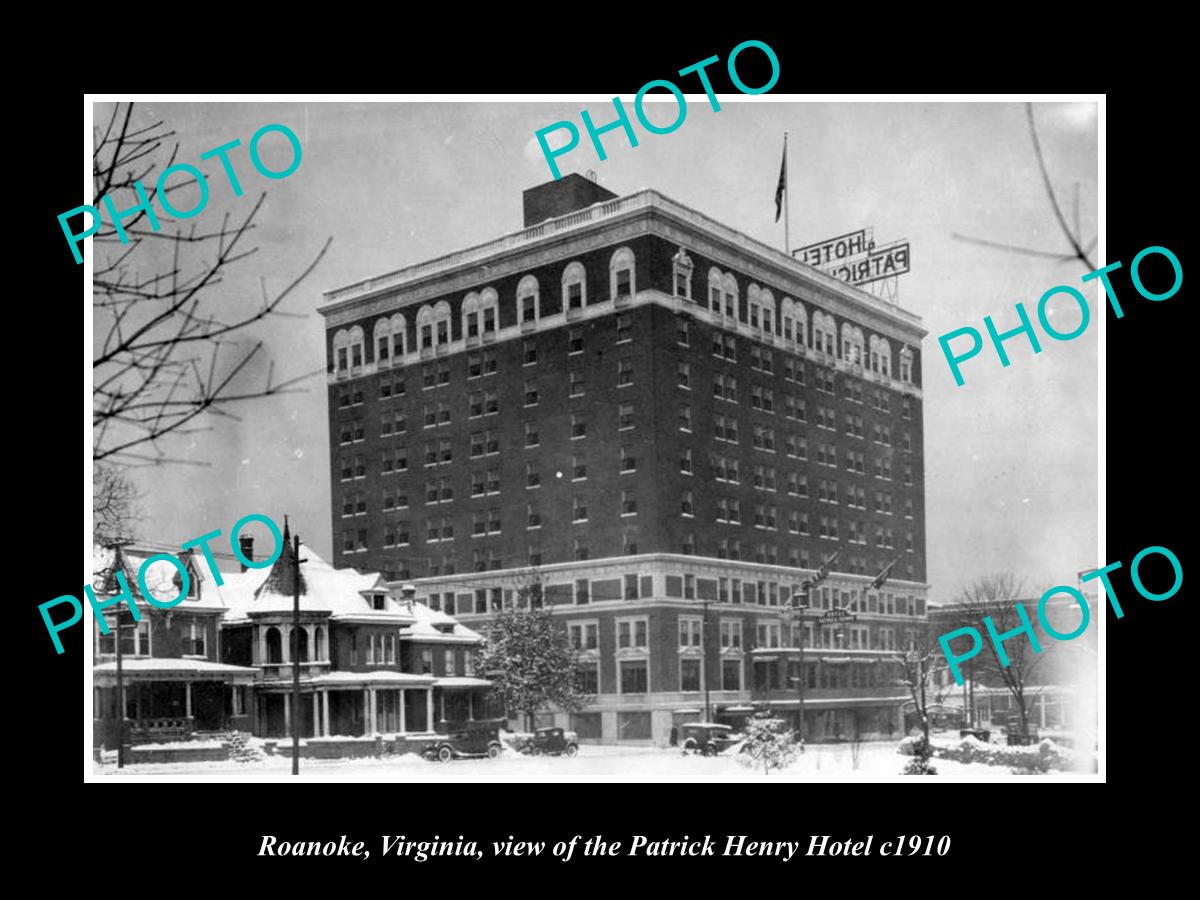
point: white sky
(1011, 468)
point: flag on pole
(782, 186)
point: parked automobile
(707, 738)
(478, 739)
(552, 741)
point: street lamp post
(704, 662)
(797, 610)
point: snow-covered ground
(832, 762)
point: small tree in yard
(918, 670)
(529, 660)
(765, 745)
(919, 764)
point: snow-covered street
(595, 763)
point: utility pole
(704, 664)
(295, 654)
(118, 565)
(798, 609)
(120, 699)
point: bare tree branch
(164, 356)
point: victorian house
(370, 664)
(173, 684)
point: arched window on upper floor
(731, 295)
(852, 344)
(753, 306)
(472, 316)
(766, 301)
(319, 644)
(794, 321)
(574, 286)
(274, 643)
(906, 364)
(433, 325)
(682, 269)
(881, 356)
(389, 339)
(529, 307)
(348, 349)
(824, 331)
(621, 278)
(441, 322)
(714, 290)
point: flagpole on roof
(787, 200)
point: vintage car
(476, 739)
(551, 741)
(707, 738)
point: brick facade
(615, 363)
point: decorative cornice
(602, 224)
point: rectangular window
(631, 587)
(625, 417)
(624, 372)
(624, 282)
(689, 675)
(731, 675)
(624, 326)
(634, 679)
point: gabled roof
(162, 577)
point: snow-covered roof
(436, 626)
(341, 593)
(381, 676)
(162, 577)
(461, 681)
(161, 668)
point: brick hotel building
(675, 424)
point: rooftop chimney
(565, 195)
(246, 544)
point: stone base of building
(654, 727)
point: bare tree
(996, 596)
(1074, 235)
(917, 669)
(163, 357)
(115, 505)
